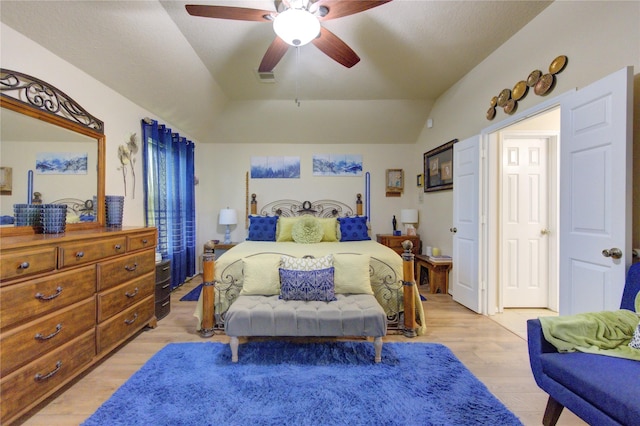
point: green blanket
(604, 333)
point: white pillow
(261, 275)
(352, 275)
(306, 263)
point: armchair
(601, 390)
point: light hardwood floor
(496, 355)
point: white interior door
(465, 282)
(595, 194)
(524, 230)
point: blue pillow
(353, 228)
(262, 228)
(307, 285)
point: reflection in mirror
(27, 142)
(52, 151)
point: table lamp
(228, 217)
(409, 217)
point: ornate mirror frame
(30, 96)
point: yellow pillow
(351, 274)
(330, 226)
(261, 275)
(285, 225)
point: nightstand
(438, 268)
(394, 242)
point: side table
(394, 242)
(438, 272)
(163, 288)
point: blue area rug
(193, 295)
(283, 383)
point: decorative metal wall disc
(503, 97)
(544, 84)
(491, 112)
(519, 90)
(558, 64)
(533, 78)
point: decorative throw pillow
(260, 275)
(353, 228)
(306, 263)
(352, 274)
(329, 224)
(307, 230)
(262, 228)
(285, 225)
(307, 285)
(635, 342)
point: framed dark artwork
(438, 168)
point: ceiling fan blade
(274, 53)
(338, 9)
(335, 48)
(228, 12)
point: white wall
(597, 37)
(222, 169)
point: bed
(234, 272)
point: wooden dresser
(394, 242)
(66, 301)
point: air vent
(266, 77)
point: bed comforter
(386, 273)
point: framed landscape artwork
(438, 168)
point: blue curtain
(170, 196)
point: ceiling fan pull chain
(297, 73)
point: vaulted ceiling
(199, 74)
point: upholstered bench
(349, 315)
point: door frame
(489, 270)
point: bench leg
(234, 348)
(377, 344)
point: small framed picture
(438, 168)
(395, 180)
(420, 180)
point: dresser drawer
(114, 300)
(116, 329)
(163, 307)
(163, 289)
(141, 241)
(163, 270)
(27, 386)
(125, 268)
(21, 263)
(24, 344)
(34, 298)
(78, 253)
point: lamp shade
(296, 27)
(228, 217)
(409, 216)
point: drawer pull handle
(117, 247)
(131, 268)
(135, 292)
(80, 254)
(166, 303)
(40, 377)
(23, 265)
(144, 241)
(39, 336)
(41, 296)
(166, 285)
(166, 268)
(131, 321)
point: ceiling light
(296, 27)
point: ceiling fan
(296, 23)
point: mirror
(33, 135)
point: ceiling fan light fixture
(296, 27)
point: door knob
(615, 253)
(545, 231)
(454, 229)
